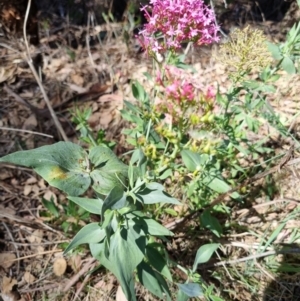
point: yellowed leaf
(59, 266)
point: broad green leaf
(275, 50)
(288, 65)
(125, 255)
(204, 253)
(138, 91)
(158, 262)
(154, 228)
(191, 160)
(167, 173)
(90, 205)
(151, 280)
(216, 184)
(181, 296)
(191, 289)
(62, 165)
(115, 200)
(210, 222)
(149, 226)
(108, 171)
(146, 276)
(153, 194)
(98, 252)
(91, 233)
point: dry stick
(17, 250)
(76, 277)
(34, 255)
(254, 256)
(37, 78)
(24, 131)
(84, 282)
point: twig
(254, 256)
(37, 78)
(34, 244)
(36, 254)
(13, 241)
(81, 287)
(24, 131)
(76, 277)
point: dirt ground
(80, 61)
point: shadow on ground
(286, 286)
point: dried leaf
(77, 79)
(27, 189)
(75, 263)
(8, 284)
(7, 260)
(59, 266)
(35, 237)
(28, 278)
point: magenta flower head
(173, 22)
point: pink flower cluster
(178, 21)
(182, 95)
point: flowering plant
(180, 139)
(177, 22)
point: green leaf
(108, 170)
(151, 280)
(191, 160)
(204, 253)
(90, 205)
(275, 50)
(288, 65)
(125, 253)
(62, 165)
(127, 281)
(91, 233)
(181, 296)
(132, 107)
(191, 289)
(216, 184)
(148, 225)
(51, 206)
(171, 211)
(147, 278)
(153, 193)
(158, 262)
(210, 222)
(138, 92)
(115, 200)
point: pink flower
(179, 21)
